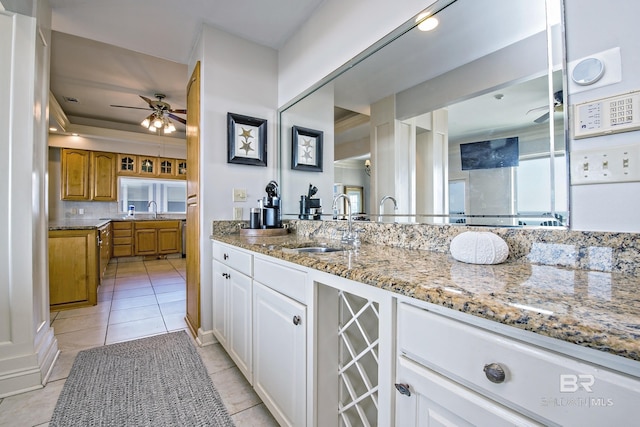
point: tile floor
(137, 299)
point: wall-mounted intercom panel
(620, 113)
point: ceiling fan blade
(543, 118)
(177, 119)
(544, 107)
(126, 106)
(178, 111)
(151, 102)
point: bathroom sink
(317, 249)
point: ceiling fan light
(158, 122)
(170, 127)
(146, 123)
(152, 129)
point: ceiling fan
(161, 113)
(557, 107)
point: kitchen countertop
(592, 309)
(89, 224)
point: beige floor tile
(81, 340)
(120, 293)
(31, 408)
(122, 304)
(173, 287)
(78, 323)
(105, 296)
(171, 296)
(174, 322)
(132, 282)
(256, 416)
(165, 280)
(174, 307)
(136, 313)
(63, 365)
(235, 391)
(101, 307)
(135, 329)
(215, 358)
(106, 287)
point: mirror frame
(409, 25)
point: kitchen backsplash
(584, 250)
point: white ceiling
(110, 52)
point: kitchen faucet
(155, 210)
(349, 236)
(395, 205)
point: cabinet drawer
(234, 258)
(122, 225)
(286, 280)
(537, 380)
(122, 240)
(122, 233)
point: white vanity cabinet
(449, 371)
(232, 299)
(280, 340)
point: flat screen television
(496, 153)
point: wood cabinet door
(75, 174)
(279, 349)
(147, 166)
(127, 164)
(103, 176)
(146, 241)
(73, 267)
(169, 241)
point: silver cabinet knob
(225, 256)
(403, 389)
(495, 373)
(297, 320)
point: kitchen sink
(317, 249)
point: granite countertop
(592, 309)
(90, 224)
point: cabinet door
(148, 166)
(167, 168)
(220, 286)
(75, 175)
(279, 354)
(169, 241)
(103, 176)
(127, 164)
(145, 242)
(240, 321)
(437, 401)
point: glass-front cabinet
(127, 164)
(167, 167)
(147, 166)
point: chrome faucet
(349, 237)
(155, 210)
(395, 205)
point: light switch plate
(237, 213)
(606, 165)
(239, 195)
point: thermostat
(615, 114)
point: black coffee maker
(310, 208)
(271, 215)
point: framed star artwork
(306, 149)
(246, 140)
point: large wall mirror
(461, 123)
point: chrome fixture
(347, 237)
(155, 210)
(395, 205)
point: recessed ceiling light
(427, 24)
(70, 99)
(52, 129)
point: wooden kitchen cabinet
(103, 177)
(127, 164)
(157, 237)
(73, 268)
(167, 168)
(75, 174)
(88, 175)
(147, 166)
(104, 242)
(122, 242)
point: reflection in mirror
(463, 124)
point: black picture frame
(306, 149)
(246, 140)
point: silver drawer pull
(297, 320)
(225, 256)
(403, 389)
(494, 372)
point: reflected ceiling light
(158, 120)
(367, 167)
(427, 24)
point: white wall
(590, 29)
(240, 77)
(337, 31)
